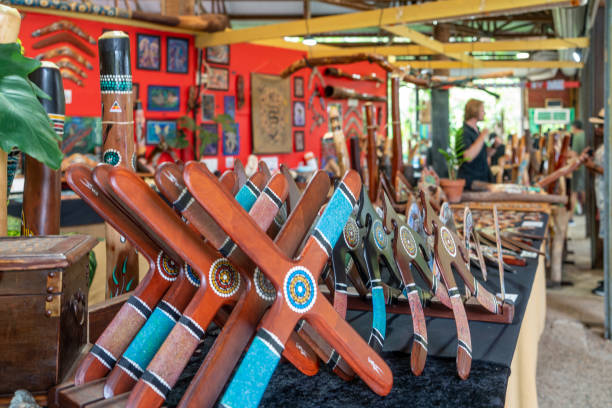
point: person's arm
(471, 152)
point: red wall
(244, 59)
(537, 97)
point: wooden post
(440, 110)
(118, 149)
(10, 20)
(607, 169)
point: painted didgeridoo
(42, 190)
(221, 282)
(137, 309)
(118, 149)
(296, 290)
(242, 323)
(149, 339)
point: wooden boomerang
(240, 172)
(68, 52)
(443, 238)
(64, 25)
(470, 232)
(220, 282)
(149, 339)
(247, 313)
(61, 38)
(136, 310)
(294, 190)
(500, 259)
(296, 286)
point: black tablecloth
(493, 347)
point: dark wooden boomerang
(296, 285)
(247, 313)
(149, 339)
(221, 284)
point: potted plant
(453, 187)
(185, 123)
(23, 121)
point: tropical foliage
(454, 153)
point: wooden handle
(397, 158)
(464, 340)
(10, 21)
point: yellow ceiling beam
(427, 42)
(489, 64)
(298, 46)
(418, 13)
(493, 46)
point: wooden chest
(43, 308)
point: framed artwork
(271, 114)
(298, 140)
(231, 141)
(82, 134)
(135, 91)
(211, 149)
(162, 98)
(177, 55)
(299, 113)
(148, 47)
(298, 87)
(219, 54)
(229, 106)
(218, 79)
(208, 107)
(160, 129)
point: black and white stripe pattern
(475, 288)
(131, 368)
(421, 340)
(376, 339)
(323, 242)
(348, 193)
(272, 196)
(453, 292)
(169, 310)
(300, 325)
(140, 307)
(104, 356)
(227, 248)
(410, 288)
(183, 201)
(373, 283)
(270, 340)
(341, 287)
(333, 360)
(465, 347)
(192, 327)
(254, 190)
(161, 387)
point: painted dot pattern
(380, 237)
(264, 287)
(408, 241)
(112, 157)
(300, 289)
(448, 241)
(192, 277)
(167, 268)
(223, 278)
(351, 234)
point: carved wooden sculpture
(242, 324)
(118, 148)
(145, 344)
(133, 314)
(296, 286)
(221, 284)
(42, 189)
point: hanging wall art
(177, 57)
(149, 47)
(271, 114)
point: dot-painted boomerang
(242, 323)
(408, 255)
(221, 284)
(240, 172)
(296, 286)
(484, 297)
(132, 315)
(446, 255)
(149, 339)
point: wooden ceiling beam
(419, 13)
(510, 64)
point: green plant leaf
(13, 63)
(226, 121)
(24, 123)
(187, 122)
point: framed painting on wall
(229, 106)
(231, 141)
(81, 134)
(160, 129)
(298, 87)
(218, 79)
(211, 149)
(177, 55)
(219, 54)
(148, 47)
(162, 98)
(271, 114)
(208, 107)
(298, 140)
(299, 114)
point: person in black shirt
(475, 153)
